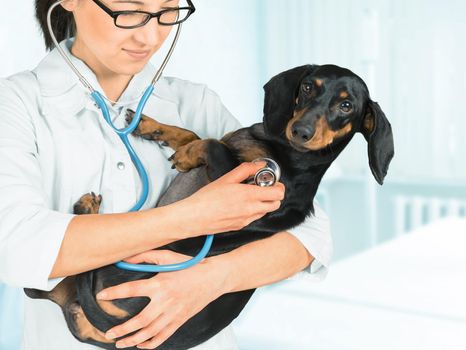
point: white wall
(20, 41)
(216, 47)
(409, 53)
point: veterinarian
(55, 146)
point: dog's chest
(245, 143)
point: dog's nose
(301, 133)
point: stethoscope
(266, 176)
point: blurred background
(397, 277)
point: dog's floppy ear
(280, 96)
(378, 133)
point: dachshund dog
(310, 115)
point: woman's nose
(150, 33)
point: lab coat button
(121, 165)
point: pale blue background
(410, 53)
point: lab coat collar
(57, 80)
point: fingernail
(120, 345)
(101, 295)
(110, 335)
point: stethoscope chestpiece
(266, 176)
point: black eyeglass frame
(150, 15)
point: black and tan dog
(310, 114)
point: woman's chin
(130, 68)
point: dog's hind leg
(64, 295)
(89, 203)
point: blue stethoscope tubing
(123, 134)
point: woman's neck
(113, 84)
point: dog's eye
(346, 106)
(306, 87)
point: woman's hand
(226, 204)
(174, 298)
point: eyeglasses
(134, 19)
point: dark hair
(62, 22)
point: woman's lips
(138, 54)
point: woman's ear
(378, 133)
(280, 98)
(69, 5)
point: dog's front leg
(169, 135)
(213, 153)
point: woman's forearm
(96, 240)
(262, 262)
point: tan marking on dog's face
(318, 82)
(86, 330)
(296, 116)
(111, 309)
(324, 136)
(344, 94)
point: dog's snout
(301, 133)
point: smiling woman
(113, 52)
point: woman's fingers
(126, 290)
(274, 193)
(147, 316)
(150, 256)
(149, 332)
(158, 257)
(271, 206)
(225, 204)
(160, 337)
(241, 172)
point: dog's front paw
(88, 204)
(189, 156)
(147, 128)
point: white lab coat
(55, 146)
